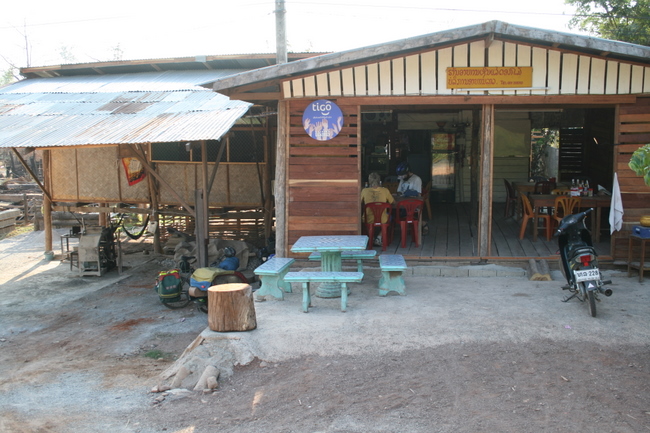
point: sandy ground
(454, 355)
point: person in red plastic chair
(372, 194)
(410, 184)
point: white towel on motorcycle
(616, 208)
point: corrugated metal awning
(35, 113)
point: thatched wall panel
(181, 177)
(219, 191)
(138, 193)
(64, 174)
(97, 170)
(244, 184)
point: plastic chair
(565, 205)
(511, 199)
(409, 212)
(528, 214)
(379, 212)
(427, 203)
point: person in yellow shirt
(375, 193)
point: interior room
(441, 146)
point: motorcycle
(579, 261)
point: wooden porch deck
(453, 236)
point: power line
(426, 8)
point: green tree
(7, 77)
(620, 20)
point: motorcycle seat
(581, 249)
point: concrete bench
(392, 266)
(271, 275)
(357, 255)
(341, 278)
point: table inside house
(529, 187)
(330, 248)
(598, 202)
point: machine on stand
(98, 253)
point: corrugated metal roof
(129, 108)
(144, 81)
(560, 41)
(198, 63)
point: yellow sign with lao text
(489, 77)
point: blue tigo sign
(322, 120)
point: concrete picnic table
(330, 248)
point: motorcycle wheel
(591, 298)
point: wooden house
(486, 87)
(98, 124)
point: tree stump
(231, 308)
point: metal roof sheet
(561, 41)
(144, 81)
(46, 112)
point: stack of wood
(28, 204)
(8, 220)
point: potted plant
(640, 164)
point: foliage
(544, 139)
(7, 77)
(620, 20)
(640, 163)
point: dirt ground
(454, 355)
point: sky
(71, 31)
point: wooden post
(281, 181)
(206, 199)
(155, 217)
(199, 229)
(231, 308)
(268, 194)
(485, 186)
(475, 157)
(103, 216)
(47, 202)
(25, 210)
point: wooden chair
(427, 203)
(409, 212)
(379, 211)
(391, 186)
(564, 205)
(528, 214)
(544, 187)
(511, 199)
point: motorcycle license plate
(587, 275)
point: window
(241, 146)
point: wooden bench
(392, 266)
(357, 255)
(271, 275)
(323, 277)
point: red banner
(134, 170)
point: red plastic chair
(409, 212)
(379, 211)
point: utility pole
(282, 136)
(280, 32)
